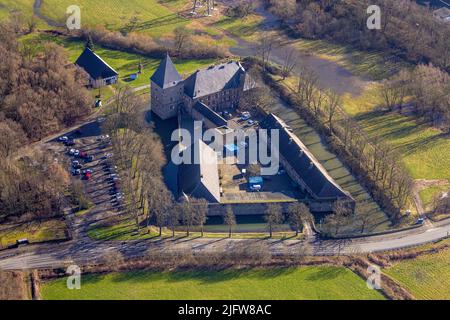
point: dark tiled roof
(201, 178)
(166, 75)
(210, 114)
(95, 66)
(230, 75)
(304, 163)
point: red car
(83, 154)
(87, 175)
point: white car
(245, 116)
(74, 152)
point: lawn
(152, 17)
(375, 65)
(23, 6)
(315, 283)
(33, 231)
(426, 277)
(425, 151)
(246, 28)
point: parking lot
(89, 158)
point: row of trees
(426, 89)
(375, 161)
(407, 29)
(184, 45)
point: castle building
(203, 96)
(220, 87)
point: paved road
(84, 250)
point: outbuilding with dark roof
(100, 73)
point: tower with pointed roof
(167, 90)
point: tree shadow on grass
(326, 273)
(205, 276)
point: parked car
(69, 143)
(22, 242)
(82, 154)
(251, 122)
(89, 158)
(87, 175)
(75, 172)
(85, 171)
(245, 116)
(77, 166)
(63, 138)
(119, 195)
(420, 221)
(73, 151)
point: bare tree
(289, 62)
(265, 47)
(298, 215)
(307, 87)
(182, 36)
(332, 105)
(229, 219)
(187, 216)
(273, 216)
(200, 207)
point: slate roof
(229, 75)
(201, 178)
(95, 66)
(320, 183)
(166, 75)
(211, 115)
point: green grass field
(426, 277)
(375, 65)
(301, 283)
(153, 17)
(425, 151)
(33, 231)
(23, 6)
